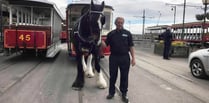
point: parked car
(199, 63)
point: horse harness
(93, 40)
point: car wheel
(197, 68)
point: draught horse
(87, 42)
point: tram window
(107, 20)
(23, 18)
(186, 30)
(14, 16)
(5, 20)
(19, 17)
(72, 20)
(198, 30)
(179, 30)
(206, 30)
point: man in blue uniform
(120, 41)
(167, 37)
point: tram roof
(85, 4)
(36, 3)
(190, 24)
(157, 27)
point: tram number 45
(26, 37)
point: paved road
(33, 80)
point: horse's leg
(79, 81)
(100, 81)
(88, 71)
(84, 64)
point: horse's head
(90, 26)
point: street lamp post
(143, 25)
(159, 18)
(174, 14)
(182, 35)
(143, 22)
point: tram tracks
(14, 72)
(7, 63)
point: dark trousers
(166, 51)
(122, 63)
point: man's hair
(118, 19)
(168, 28)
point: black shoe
(110, 96)
(166, 58)
(125, 99)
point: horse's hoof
(102, 87)
(90, 75)
(77, 86)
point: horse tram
(193, 37)
(193, 33)
(33, 26)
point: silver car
(199, 63)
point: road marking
(164, 86)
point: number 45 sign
(27, 37)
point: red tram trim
(105, 50)
(63, 35)
(18, 33)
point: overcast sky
(156, 11)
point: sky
(156, 11)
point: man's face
(119, 23)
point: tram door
(4, 15)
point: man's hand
(103, 44)
(133, 62)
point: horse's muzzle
(85, 51)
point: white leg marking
(89, 72)
(84, 64)
(100, 81)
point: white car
(199, 63)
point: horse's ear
(92, 3)
(103, 4)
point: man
(167, 37)
(120, 42)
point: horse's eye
(102, 20)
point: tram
(73, 13)
(153, 32)
(63, 34)
(193, 33)
(33, 26)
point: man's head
(168, 28)
(119, 21)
